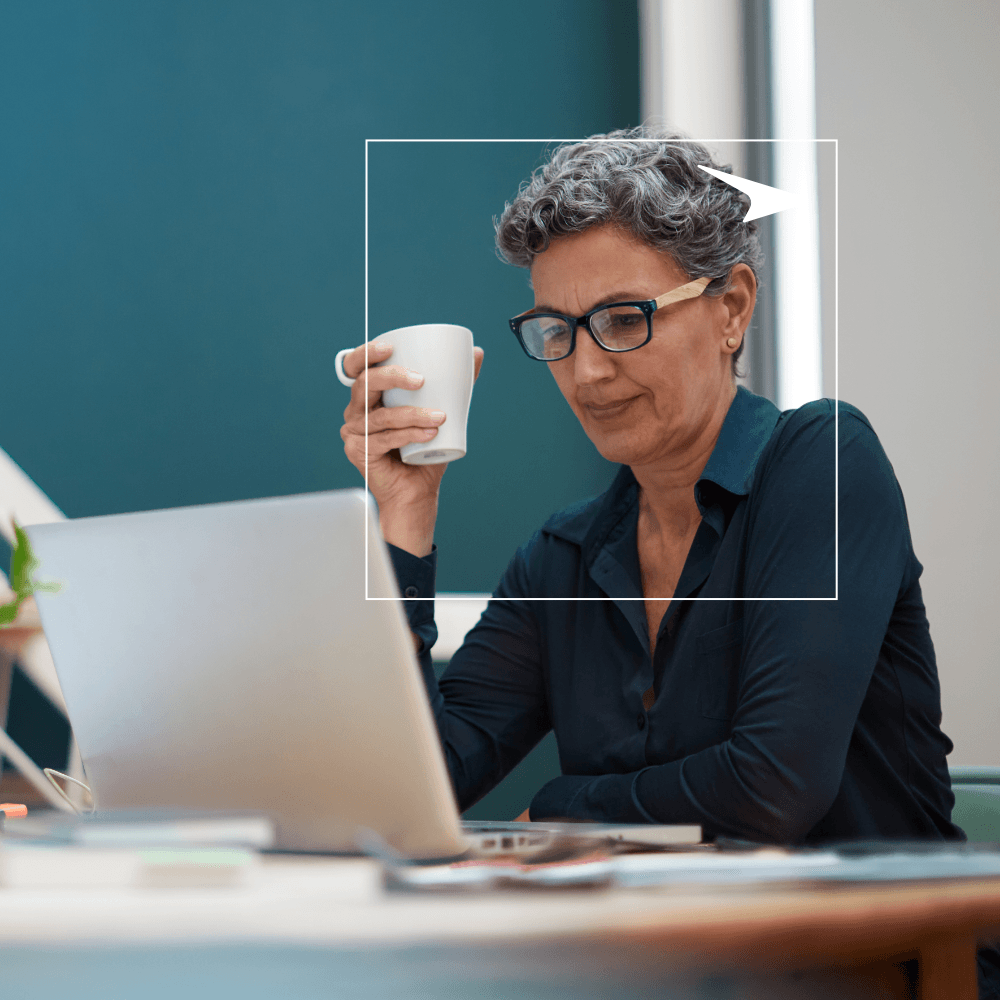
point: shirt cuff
(660, 793)
(606, 798)
(416, 577)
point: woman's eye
(627, 322)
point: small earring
(731, 342)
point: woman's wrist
(410, 526)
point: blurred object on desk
(26, 626)
(15, 787)
(27, 865)
(148, 828)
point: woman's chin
(623, 447)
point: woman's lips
(603, 411)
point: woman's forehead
(597, 266)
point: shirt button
(640, 720)
(410, 592)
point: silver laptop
(224, 657)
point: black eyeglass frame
(690, 290)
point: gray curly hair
(647, 182)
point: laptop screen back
(225, 657)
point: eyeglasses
(619, 327)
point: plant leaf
(22, 564)
(22, 568)
(8, 612)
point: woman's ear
(739, 300)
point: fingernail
(437, 415)
(414, 378)
(429, 432)
(382, 346)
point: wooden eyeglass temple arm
(689, 291)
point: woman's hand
(406, 494)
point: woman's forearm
(410, 526)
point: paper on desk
(723, 867)
(153, 828)
(960, 862)
(26, 865)
(620, 870)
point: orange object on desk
(13, 809)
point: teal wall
(432, 258)
(182, 240)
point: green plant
(22, 568)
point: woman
(766, 710)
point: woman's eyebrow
(606, 301)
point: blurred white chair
(23, 501)
(453, 619)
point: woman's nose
(590, 362)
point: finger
(478, 352)
(398, 417)
(382, 443)
(356, 430)
(374, 381)
(355, 362)
(387, 419)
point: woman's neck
(667, 508)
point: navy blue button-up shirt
(780, 714)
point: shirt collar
(747, 427)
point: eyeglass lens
(618, 328)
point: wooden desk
(664, 941)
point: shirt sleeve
(489, 705)
(416, 576)
(806, 664)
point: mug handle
(338, 367)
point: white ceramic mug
(443, 354)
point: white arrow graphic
(764, 200)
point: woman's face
(650, 404)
